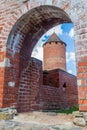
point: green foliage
(67, 111)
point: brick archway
(12, 12)
(24, 35)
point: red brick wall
(71, 80)
(51, 78)
(32, 95)
(82, 82)
(56, 98)
(54, 56)
(11, 81)
(57, 78)
(29, 85)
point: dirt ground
(48, 118)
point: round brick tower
(54, 53)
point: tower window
(64, 85)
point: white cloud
(58, 30)
(71, 33)
(70, 56)
(70, 59)
(38, 53)
(70, 71)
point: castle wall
(33, 95)
(61, 89)
(58, 77)
(57, 98)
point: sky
(66, 33)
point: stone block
(77, 114)
(85, 116)
(79, 122)
(5, 116)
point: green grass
(67, 111)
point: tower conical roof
(54, 38)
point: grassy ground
(67, 111)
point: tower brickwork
(54, 51)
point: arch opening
(55, 45)
(65, 32)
